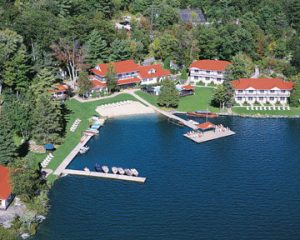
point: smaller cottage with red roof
(208, 71)
(60, 92)
(6, 195)
(261, 90)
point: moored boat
(97, 167)
(86, 169)
(121, 171)
(114, 170)
(128, 172)
(134, 172)
(84, 149)
(105, 169)
(202, 114)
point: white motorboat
(121, 171)
(86, 169)
(114, 170)
(105, 169)
(134, 172)
(84, 149)
(128, 172)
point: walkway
(71, 156)
(104, 175)
(165, 113)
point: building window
(196, 71)
(282, 98)
(250, 91)
(271, 98)
(272, 91)
(239, 98)
(240, 91)
(219, 79)
(219, 72)
(196, 77)
(261, 98)
(283, 91)
(261, 91)
(207, 71)
(207, 78)
(250, 98)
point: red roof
(128, 81)
(97, 84)
(59, 88)
(262, 84)
(188, 87)
(206, 125)
(5, 188)
(119, 67)
(213, 65)
(153, 71)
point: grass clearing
(243, 111)
(199, 101)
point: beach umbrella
(49, 146)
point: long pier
(104, 175)
(71, 156)
(165, 113)
(208, 136)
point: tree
(71, 55)
(97, 49)
(168, 96)
(120, 50)
(47, 120)
(111, 80)
(183, 75)
(43, 82)
(7, 146)
(295, 95)
(221, 96)
(84, 84)
(241, 67)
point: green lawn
(244, 111)
(200, 101)
(82, 111)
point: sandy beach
(124, 108)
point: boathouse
(6, 195)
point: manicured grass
(152, 99)
(200, 101)
(244, 111)
(82, 111)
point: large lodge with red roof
(128, 74)
(208, 71)
(262, 91)
(6, 196)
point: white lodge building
(208, 71)
(261, 91)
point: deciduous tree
(168, 96)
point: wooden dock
(165, 113)
(208, 136)
(72, 155)
(104, 175)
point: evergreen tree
(47, 120)
(84, 84)
(15, 72)
(111, 80)
(97, 48)
(295, 95)
(7, 146)
(43, 82)
(168, 96)
(222, 95)
(120, 50)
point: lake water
(245, 186)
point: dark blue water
(246, 186)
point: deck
(104, 175)
(208, 136)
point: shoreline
(259, 116)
